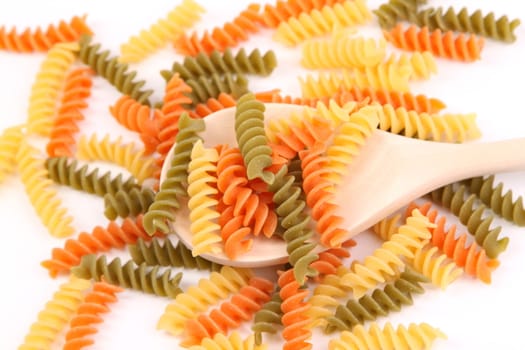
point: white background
(472, 314)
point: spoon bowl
(389, 172)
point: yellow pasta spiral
(319, 22)
(10, 140)
(234, 342)
(334, 113)
(445, 127)
(437, 267)
(129, 156)
(202, 175)
(386, 261)
(198, 298)
(386, 227)
(46, 88)
(182, 17)
(422, 64)
(416, 336)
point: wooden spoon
(389, 172)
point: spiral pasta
(340, 98)
(415, 336)
(82, 325)
(212, 105)
(392, 297)
(198, 298)
(445, 127)
(99, 240)
(434, 265)
(42, 195)
(167, 254)
(501, 204)
(441, 44)
(495, 28)
(56, 314)
(241, 307)
(129, 275)
(167, 199)
(322, 21)
(393, 11)
(232, 342)
(128, 156)
(472, 217)
(43, 40)
(386, 227)
(181, 17)
(127, 203)
(203, 88)
(220, 38)
(268, 318)
(422, 64)
(224, 62)
(10, 141)
(273, 15)
(341, 51)
(386, 261)
(46, 87)
(115, 73)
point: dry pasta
(10, 141)
(127, 203)
(393, 11)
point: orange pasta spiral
(77, 88)
(224, 100)
(138, 117)
(241, 307)
(82, 325)
(329, 260)
(448, 45)
(41, 40)
(471, 258)
(99, 240)
(340, 98)
(231, 33)
(273, 15)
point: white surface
(473, 315)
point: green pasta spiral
(500, 29)
(65, 172)
(174, 186)
(127, 203)
(116, 73)
(224, 62)
(251, 137)
(295, 222)
(501, 204)
(268, 318)
(382, 301)
(477, 225)
(388, 14)
(166, 254)
(129, 275)
(204, 88)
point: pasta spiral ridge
(471, 258)
(167, 199)
(167, 254)
(423, 64)
(275, 97)
(436, 266)
(53, 318)
(472, 217)
(241, 307)
(268, 318)
(415, 336)
(128, 156)
(99, 240)
(47, 86)
(115, 73)
(139, 118)
(43, 40)
(127, 203)
(322, 21)
(222, 101)
(232, 342)
(147, 41)
(386, 227)
(10, 141)
(342, 51)
(495, 28)
(64, 171)
(273, 15)
(393, 11)
(386, 261)
(445, 127)
(501, 204)
(83, 325)
(220, 38)
(128, 275)
(202, 203)
(224, 62)
(381, 302)
(205, 87)
(198, 298)
(39, 188)
(290, 209)
(441, 44)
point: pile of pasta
(276, 182)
